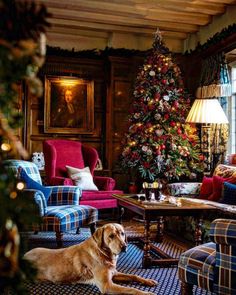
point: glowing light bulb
(20, 185)
(13, 195)
(5, 147)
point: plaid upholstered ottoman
(196, 266)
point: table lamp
(207, 111)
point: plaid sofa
(211, 266)
(61, 212)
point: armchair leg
(78, 231)
(92, 227)
(186, 289)
(59, 236)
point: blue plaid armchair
(211, 266)
(60, 210)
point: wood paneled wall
(113, 86)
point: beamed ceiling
(102, 18)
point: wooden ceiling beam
(187, 2)
(175, 18)
(77, 32)
(117, 10)
(121, 20)
(202, 6)
(199, 7)
(228, 2)
(59, 24)
(125, 22)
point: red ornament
(176, 104)
(166, 116)
(172, 124)
(179, 131)
(201, 157)
(164, 69)
(146, 165)
(164, 81)
(157, 96)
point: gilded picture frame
(68, 105)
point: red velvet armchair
(58, 153)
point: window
(232, 112)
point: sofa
(218, 190)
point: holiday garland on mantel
(158, 143)
(22, 50)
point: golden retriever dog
(90, 262)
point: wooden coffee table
(154, 211)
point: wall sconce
(207, 111)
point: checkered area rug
(129, 262)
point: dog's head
(111, 237)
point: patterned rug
(129, 262)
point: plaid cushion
(30, 168)
(64, 195)
(223, 232)
(68, 217)
(196, 266)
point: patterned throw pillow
(229, 194)
(82, 178)
(218, 186)
(32, 184)
(206, 188)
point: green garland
(215, 39)
(95, 53)
(123, 52)
(21, 26)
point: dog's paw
(146, 293)
(150, 282)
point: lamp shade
(206, 111)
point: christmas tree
(158, 143)
(21, 55)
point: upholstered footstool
(68, 217)
(196, 267)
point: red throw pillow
(218, 186)
(206, 188)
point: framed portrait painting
(68, 105)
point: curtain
(215, 82)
